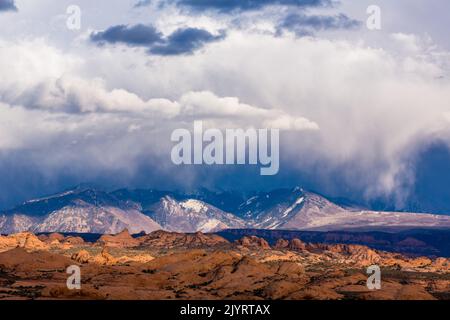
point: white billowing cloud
(207, 105)
(41, 76)
(53, 83)
(409, 42)
(364, 108)
(284, 122)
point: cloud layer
(7, 5)
(181, 41)
(227, 6)
(354, 116)
(302, 24)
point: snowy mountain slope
(271, 209)
(16, 223)
(191, 216)
(93, 211)
(78, 210)
(369, 220)
(298, 209)
(87, 218)
(43, 206)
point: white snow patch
(209, 225)
(249, 201)
(194, 205)
(50, 197)
(296, 203)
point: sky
(364, 114)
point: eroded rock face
(107, 259)
(74, 241)
(120, 240)
(297, 245)
(7, 243)
(104, 258)
(361, 255)
(81, 256)
(294, 245)
(56, 236)
(24, 240)
(253, 242)
(164, 239)
(282, 244)
(55, 240)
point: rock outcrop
(24, 240)
(76, 241)
(120, 240)
(253, 242)
(164, 239)
(105, 258)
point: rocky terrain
(169, 265)
(416, 242)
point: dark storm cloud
(142, 3)
(181, 41)
(303, 24)
(185, 41)
(7, 5)
(227, 6)
(138, 35)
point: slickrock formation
(105, 258)
(137, 259)
(294, 245)
(164, 239)
(281, 244)
(360, 255)
(74, 241)
(120, 240)
(297, 245)
(253, 242)
(43, 237)
(168, 265)
(23, 240)
(82, 256)
(55, 240)
(7, 243)
(442, 263)
(22, 260)
(56, 236)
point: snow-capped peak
(194, 205)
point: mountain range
(87, 210)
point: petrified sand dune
(23, 240)
(164, 265)
(253, 242)
(183, 240)
(120, 240)
(20, 259)
(74, 240)
(105, 258)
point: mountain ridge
(94, 211)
